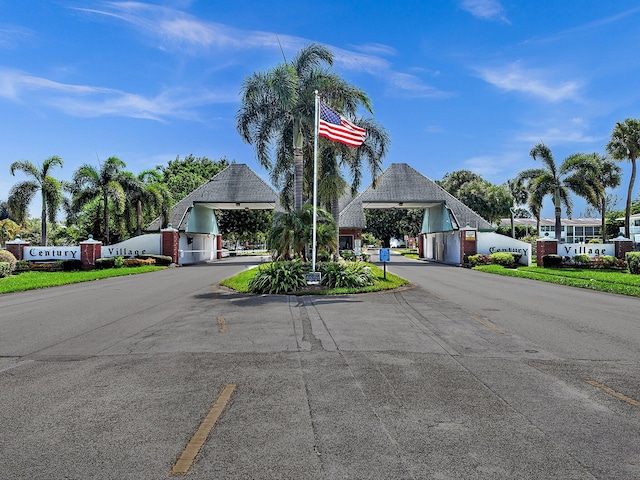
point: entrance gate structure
(449, 227)
(237, 187)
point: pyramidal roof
(237, 187)
(401, 186)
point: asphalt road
(464, 376)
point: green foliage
(183, 176)
(521, 231)
(369, 239)
(5, 269)
(585, 259)
(71, 265)
(8, 257)
(502, 258)
(106, 262)
(633, 261)
(490, 201)
(606, 261)
(345, 275)
(244, 225)
(118, 262)
(478, 259)
(279, 278)
(551, 260)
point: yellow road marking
(222, 326)
(611, 391)
(488, 325)
(184, 463)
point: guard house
(237, 187)
(448, 225)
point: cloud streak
(91, 101)
(178, 31)
(514, 78)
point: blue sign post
(385, 256)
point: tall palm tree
(22, 193)
(625, 145)
(546, 181)
(105, 184)
(146, 197)
(590, 177)
(278, 109)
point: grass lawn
(621, 282)
(409, 253)
(241, 281)
(34, 280)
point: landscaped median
(289, 278)
(620, 282)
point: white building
(574, 230)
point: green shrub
(551, 260)
(595, 240)
(7, 256)
(118, 262)
(71, 265)
(478, 259)
(582, 259)
(633, 261)
(106, 262)
(5, 269)
(606, 261)
(502, 258)
(348, 255)
(279, 277)
(345, 275)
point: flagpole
(315, 182)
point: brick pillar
(17, 247)
(421, 246)
(468, 242)
(90, 251)
(218, 242)
(623, 245)
(170, 242)
(545, 246)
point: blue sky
(459, 84)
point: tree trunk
(138, 218)
(335, 213)
(106, 220)
(558, 212)
(43, 224)
(298, 164)
(603, 220)
(627, 210)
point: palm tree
(147, 197)
(105, 184)
(625, 145)
(278, 109)
(22, 193)
(591, 175)
(291, 232)
(546, 181)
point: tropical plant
(278, 109)
(345, 275)
(105, 184)
(452, 182)
(625, 145)
(279, 278)
(8, 230)
(147, 196)
(291, 232)
(546, 181)
(633, 261)
(591, 175)
(41, 180)
(490, 201)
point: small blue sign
(385, 254)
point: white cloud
(514, 78)
(175, 30)
(90, 101)
(485, 9)
(11, 35)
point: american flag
(338, 129)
